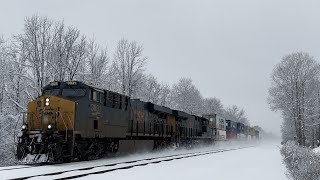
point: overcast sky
(227, 47)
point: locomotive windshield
(73, 92)
(53, 92)
(69, 89)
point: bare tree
(65, 47)
(77, 59)
(212, 106)
(37, 40)
(3, 72)
(149, 89)
(164, 99)
(129, 64)
(50, 51)
(186, 97)
(96, 61)
(237, 114)
(19, 79)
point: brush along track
(104, 168)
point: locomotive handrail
(65, 125)
(25, 118)
(73, 137)
(72, 124)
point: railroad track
(14, 167)
(25, 166)
(109, 167)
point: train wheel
(55, 153)
(96, 150)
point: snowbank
(301, 162)
(316, 150)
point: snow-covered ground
(316, 150)
(263, 162)
(260, 162)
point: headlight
(50, 126)
(47, 102)
(24, 127)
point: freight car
(231, 128)
(73, 120)
(241, 130)
(218, 124)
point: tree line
(48, 50)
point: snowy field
(263, 162)
(260, 162)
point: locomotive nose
(51, 113)
(42, 113)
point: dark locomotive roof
(156, 108)
(56, 88)
(53, 87)
(66, 84)
(181, 114)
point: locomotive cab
(48, 129)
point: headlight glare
(47, 102)
(50, 126)
(24, 127)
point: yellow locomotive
(49, 124)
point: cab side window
(96, 96)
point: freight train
(72, 120)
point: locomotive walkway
(50, 172)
